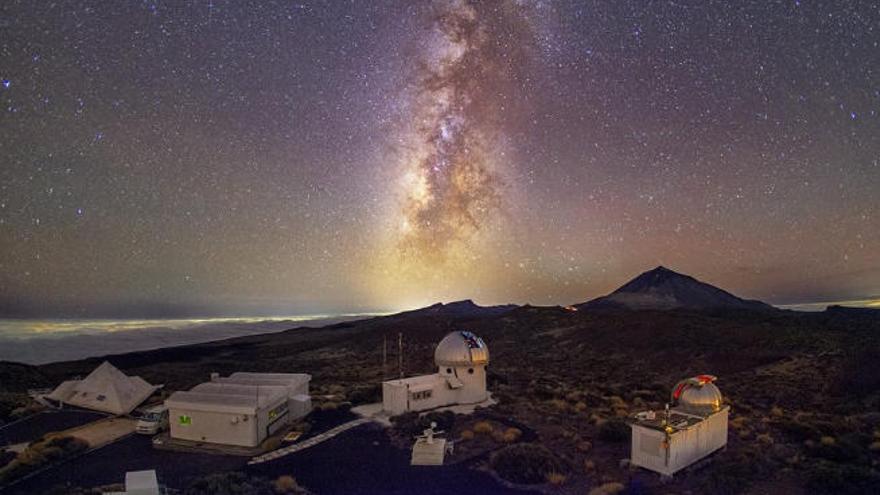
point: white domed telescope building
(461, 358)
(694, 427)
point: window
(278, 411)
(101, 397)
(470, 371)
(449, 371)
(421, 395)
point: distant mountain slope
(465, 308)
(662, 288)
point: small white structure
(696, 425)
(241, 409)
(105, 389)
(140, 483)
(428, 450)
(461, 358)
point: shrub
(287, 484)
(556, 478)
(366, 395)
(467, 435)
(526, 463)
(843, 449)
(407, 423)
(511, 435)
(830, 477)
(610, 488)
(40, 453)
(589, 466)
(614, 430)
(584, 446)
(483, 427)
(764, 438)
(580, 406)
(234, 483)
(796, 430)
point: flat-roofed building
(242, 409)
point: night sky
(220, 158)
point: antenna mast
(400, 354)
(384, 356)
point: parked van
(154, 420)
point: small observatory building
(461, 358)
(692, 428)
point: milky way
(454, 152)
(267, 157)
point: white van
(154, 420)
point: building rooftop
(678, 419)
(227, 397)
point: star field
(225, 158)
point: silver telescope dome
(461, 348)
(698, 394)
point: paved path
(311, 442)
(103, 432)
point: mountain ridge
(663, 289)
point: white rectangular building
(668, 441)
(242, 409)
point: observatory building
(461, 358)
(241, 409)
(694, 427)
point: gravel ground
(108, 465)
(363, 461)
(360, 461)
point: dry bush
(483, 427)
(584, 446)
(776, 412)
(511, 435)
(580, 406)
(827, 441)
(765, 438)
(467, 435)
(40, 453)
(559, 405)
(589, 466)
(526, 463)
(610, 488)
(556, 479)
(287, 484)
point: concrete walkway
(311, 442)
(103, 432)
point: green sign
(185, 420)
